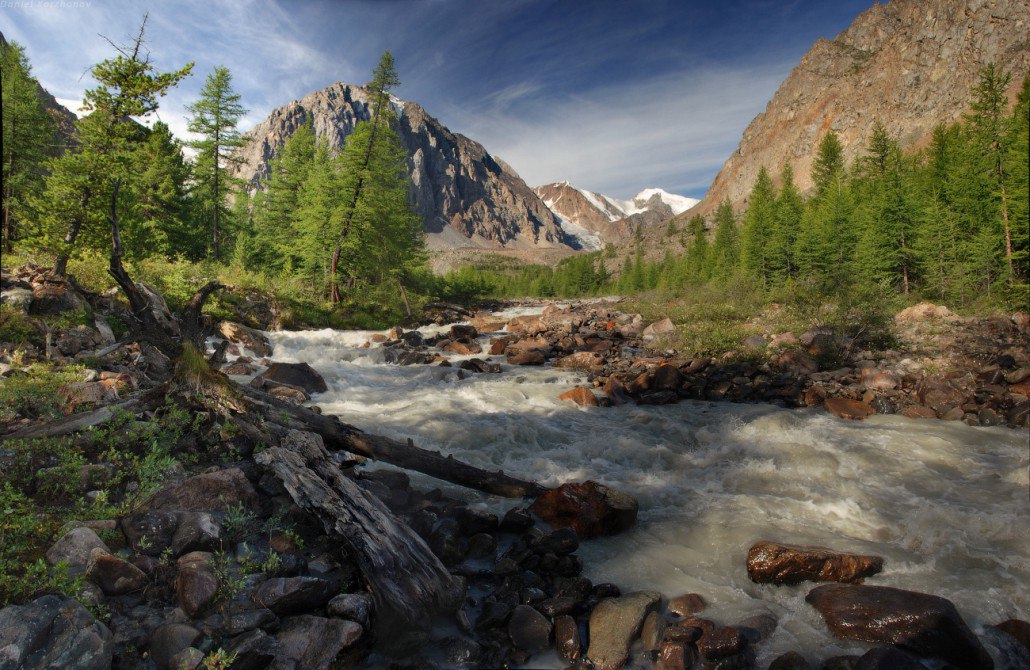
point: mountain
(64, 118)
(910, 64)
(467, 198)
(596, 219)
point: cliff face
(465, 196)
(910, 64)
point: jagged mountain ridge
(911, 64)
(597, 219)
(466, 197)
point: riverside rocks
(771, 563)
(614, 624)
(53, 632)
(924, 624)
(589, 508)
(299, 375)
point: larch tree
(215, 117)
(759, 224)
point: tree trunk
(408, 582)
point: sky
(615, 96)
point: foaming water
(945, 504)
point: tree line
(947, 222)
(333, 220)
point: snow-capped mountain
(596, 219)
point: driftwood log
(408, 582)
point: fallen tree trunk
(339, 435)
(73, 423)
(408, 582)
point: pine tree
(28, 136)
(158, 223)
(725, 250)
(214, 116)
(697, 254)
(1016, 166)
(828, 167)
(759, 223)
(787, 217)
(84, 186)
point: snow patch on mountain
(587, 240)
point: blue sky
(614, 96)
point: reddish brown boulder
(878, 379)
(580, 396)
(1018, 629)
(918, 412)
(846, 408)
(939, 395)
(721, 642)
(591, 509)
(581, 360)
(463, 348)
(498, 345)
(248, 337)
(661, 378)
(686, 605)
(530, 357)
(114, 575)
(566, 638)
(926, 625)
(616, 391)
(771, 563)
(208, 492)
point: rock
(587, 361)
(242, 621)
(840, 663)
(75, 548)
(918, 412)
(659, 328)
(248, 337)
(924, 624)
(721, 642)
(580, 396)
(878, 379)
(922, 312)
(528, 357)
(686, 605)
(286, 595)
(53, 298)
(589, 508)
(313, 643)
(796, 361)
(150, 532)
(209, 492)
(652, 632)
(17, 297)
(195, 588)
(356, 607)
(463, 348)
(614, 624)
(115, 576)
(529, 630)
(159, 308)
(239, 368)
(1006, 650)
(676, 655)
(887, 658)
(196, 531)
(253, 650)
(516, 520)
(460, 332)
(771, 563)
(288, 394)
(189, 658)
(940, 395)
(846, 408)
(53, 632)
(1018, 629)
(168, 640)
(755, 343)
(74, 394)
(566, 639)
(790, 661)
(300, 375)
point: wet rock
(195, 588)
(472, 521)
(556, 606)
(688, 604)
(74, 548)
(112, 574)
(53, 632)
(790, 661)
(313, 643)
(150, 532)
(1005, 649)
(887, 658)
(676, 655)
(480, 366)
(461, 653)
(285, 595)
(494, 615)
(189, 658)
(566, 639)
(940, 395)
(771, 563)
(721, 642)
(587, 361)
(517, 520)
(529, 630)
(846, 408)
(614, 624)
(580, 396)
(356, 607)
(840, 663)
(301, 375)
(652, 632)
(529, 357)
(757, 627)
(658, 398)
(589, 508)
(209, 492)
(1018, 629)
(248, 337)
(253, 650)
(168, 640)
(918, 412)
(241, 621)
(463, 348)
(196, 531)
(924, 624)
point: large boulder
(74, 549)
(313, 643)
(285, 595)
(589, 508)
(926, 625)
(168, 641)
(529, 630)
(209, 492)
(248, 337)
(847, 408)
(771, 563)
(299, 375)
(580, 396)
(53, 632)
(115, 576)
(614, 625)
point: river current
(945, 504)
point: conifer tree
(828, 167)
(788, 211)
(159, 222)
(697, 254)
(724, 250)
(28, 136)
(214, 116)
(759, 223)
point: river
(944, 503)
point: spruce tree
(28, 137)
(759, 223)
(214, 116)
(788, 211)
(158, 223)
(828, 167)
(724, 250)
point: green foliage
(36, 392)
(219, 659)
(238, 519)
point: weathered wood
(339, 435)
(73, 423)
(409, 583)
(192, 324)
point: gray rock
(196, 531)
(313, 643)
(253, 650)
(114, 575)
(614, 624)
(168, 640)
(53, 632)
(529, 630)
(354, 606)
(286, 595)
(245, 620)
(74, 548)
(17, 297)
(189, 658)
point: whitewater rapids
(945, 504)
